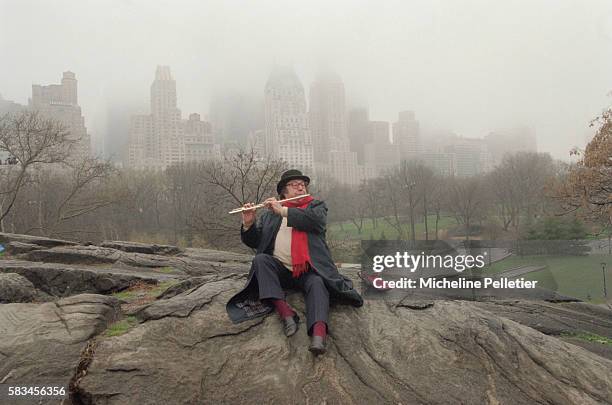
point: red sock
(283, 309)
(319, 329)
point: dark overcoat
(245, 304)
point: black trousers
(272, 277)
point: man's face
(295, 188)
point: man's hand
(248, 217)
(273, 205)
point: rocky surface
(565, 320)
(141, 247)
(96, 255)
(63, 279)
(16, 288)
(554, 319)
(15, 248)
(42, 343)
(39, 241)
(181, 348)
(449, 352)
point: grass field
(348, 231)
(576, 276)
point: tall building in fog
(198, 140)
(470, 156)
(327, 114)
(162, 138)
(118, 115)
(379, 132)
(328, 125)
(287, 131)
(451, 155)
(359, 132)
(166, 119)
(256, 140)
(519, 139)
(60, 102)
(380, 154)
(234, 115)
(406, 135)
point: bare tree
(65, 197)
(394, 201)
(240, 177)
(373, 192)
(141, 210)
(340, 200)
(86, 192)
(425, 180)
(31, 141)
(467, 201)
(243, 175)
(407, 189)
(438, 200)
(355, 206)
(517, 186)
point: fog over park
(470, 67)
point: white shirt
(282, 244)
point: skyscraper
(287, 131)
(450, 154)
(198, 140)
(60, 102)
(406, 135)
(512, 140)
(162, 138)
(327, 114)
(234, 115)
(379, 132)
(380, 154)
(470, 155)
(328, 124)
(359, 132)
(166, 119)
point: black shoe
(317, 345)
(290, 326)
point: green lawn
(347, 230)
(576, 276)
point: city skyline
(471, 68)
(321, 137)
(144, 106)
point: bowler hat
(289, 175)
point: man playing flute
(291, 253)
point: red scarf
(300, 258)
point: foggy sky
(467, 66)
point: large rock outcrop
(187, 351)
(42, 343)
(181, 348)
